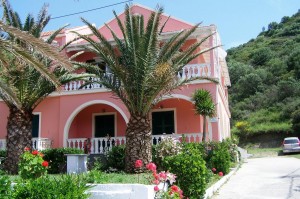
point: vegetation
(57, 159)
(265, 74)
(27, 77)
(142, 71)
(205, 106)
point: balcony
(189, 71)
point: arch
(81, 107)
(178, 96)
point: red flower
(174, 188)
(26, 149)
(151, 166)
(221, 173)
(138, 164)
(156, 188)
(35, 152)
(214, 169)
(45, 164)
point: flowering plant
(162, 180)
(32, 164)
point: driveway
(264, 178)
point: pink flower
(156, 182)
(214, 169)
(221, 173)
(26, 149)
(138, 164)
(163, 175)
(35, 152)
(156, 188)
(151, 166)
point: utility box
(76, 163)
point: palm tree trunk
(138, 142)
(19, 134)
(204, 129)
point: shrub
(2, 153)
(219, 157)
(57, 159)
(168, 146)
(5, 186)
(116, 158)
(64, 187)
(32, 164)
(191, 172)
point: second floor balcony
(188, 71)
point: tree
(30, 71)
(143, 69)
(205, 106)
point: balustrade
(188, 71)
(103, 144)
(37, 143)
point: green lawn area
(107, 178)
(269, 152)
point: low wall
(121, 191)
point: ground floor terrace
(68, 120)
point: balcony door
(35, 125)
(163, 122)
(104, 125)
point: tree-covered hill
(265, 77)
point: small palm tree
(143, 69)
(30, 70)
(205, 106)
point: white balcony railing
(103, 144)
(189, 71)
(37, 143)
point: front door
(104, 125)
(35, 126)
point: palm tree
(205, 106)
(143, 69)
(30, 71)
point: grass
(269, 152)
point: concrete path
(264, 178)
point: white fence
(103, 144)
(37, 143)
(188, 71)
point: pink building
(67, 118)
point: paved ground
(264, 178)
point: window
(163, 122)
(104, 125)
(35, 125)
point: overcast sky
(238, 21)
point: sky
(237, 21)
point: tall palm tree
(143, 69)
(205, 106)
(30, 71)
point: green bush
(116, 158)
(5, 186)
(2, 153)
(64, 187)
(190, 169)
(32, 164)
(219, 157)
(57, 159)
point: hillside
(265, 77)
